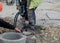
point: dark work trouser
(6, 24)
(22, 12)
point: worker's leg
(15, 19)
(32, 20)
(24, 15)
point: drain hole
(12, 36)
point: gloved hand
(17, 29)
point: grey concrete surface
(31, 39)
(48, 12)
(8, 11)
